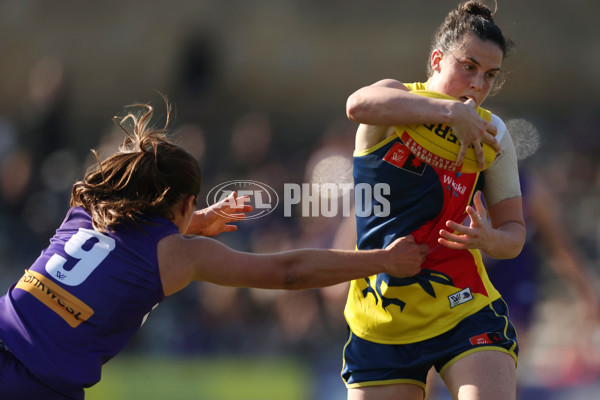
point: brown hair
(474, 17)
(148, 175)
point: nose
(477, 82)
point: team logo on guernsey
(461, 297)
(424, 280)
(400, 156)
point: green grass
(219, 378)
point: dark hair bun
(476, 8)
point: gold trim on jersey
(379, 145)
(67, 306)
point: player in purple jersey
(130, 239)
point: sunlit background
(259, 88)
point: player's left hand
(217, 218)
(474, 236)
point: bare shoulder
(183, 259)
(179, 259)
(175, 273)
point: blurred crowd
(39, 162)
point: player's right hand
(472, 131)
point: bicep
(391, 83)
(203, 259)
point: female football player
(449, 316)
(130, 239)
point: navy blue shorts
(17, 382)
(368, 364)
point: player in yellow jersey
(449, 316)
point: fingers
(470, 102)
(233, 204)
(459, 236)
(237, 216)
(461, 154)
(407, 239)
(459, 239)
(461, 229)
(490, 137)
(451, 244)
(480, 156)
(479, 213)
(478, 201)
(473, 131)
(492, 130)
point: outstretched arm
(183, 260)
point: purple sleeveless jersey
(83, 298)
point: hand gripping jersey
(82, 299)
(452, 284)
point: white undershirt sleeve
(502, 177)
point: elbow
(356, 108)
(351, 108)
(514, 247)
(520, 242)
(514, 252)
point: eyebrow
(474, 61)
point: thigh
(404, 391)
(369, 364)
(482, 375)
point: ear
(436, 58)
(188, 204)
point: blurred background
(259, 89)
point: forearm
(293, 269)
(214, 262)
(506, 241)
(385, 106)
(317, 268)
